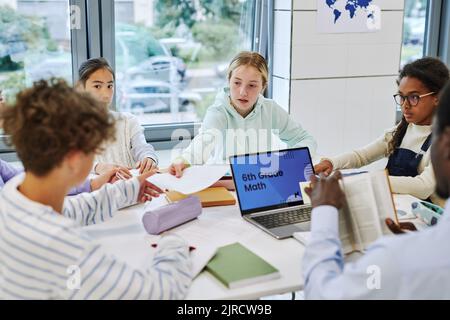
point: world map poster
(344, 16)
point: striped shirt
(46, 255)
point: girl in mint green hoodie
(241, 120)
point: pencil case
(172, 215)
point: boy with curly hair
(57, 132)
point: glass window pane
(413, 30)
(34, 43)
(171, 56)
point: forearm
(323, 259)
(360, 157)
(168, 276)
(140, 149)
(101, 205)
(421, 186)
(327, 277)
(200, 149)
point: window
(171, 56)
(414, 26)
(34, 43)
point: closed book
(210, 197)
(235, 266)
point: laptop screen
(270, 180)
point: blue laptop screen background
(258, 186)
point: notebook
(214, 196)
(236, 266)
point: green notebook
(236, 266)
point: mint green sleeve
(291, 132)
(208, 140)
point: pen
(191, 248)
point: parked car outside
(159, 68)
(145, 95)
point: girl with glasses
(407, 144)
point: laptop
(268, 190)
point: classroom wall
(338, 86)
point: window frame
(437, 32)
(79, 49)
(96, 38)
(160, 135)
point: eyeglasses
(413, 99)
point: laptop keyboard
(284, 218)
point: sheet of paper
(200, 258)
(194, 179)
(303, 237)
(305, 197)
(403, 206)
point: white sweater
(422, 186)
(130, 145)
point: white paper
(194, 179)
(200, 258)
(344, 16)
(306, 199)
(303, 237)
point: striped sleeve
(101, 205)
(168, 276)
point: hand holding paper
(194, 179)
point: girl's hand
(176, 169)
(148, 190)
(122, 173)
(146, 165)
(325, 167)
(99, 181)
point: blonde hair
(248, 58)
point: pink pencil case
(172, 215)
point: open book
(369, 203)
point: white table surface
(125, 237)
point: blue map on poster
(352, 7)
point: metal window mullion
(444, 33)
(270, 44)
(94, 32)
(257, 32)
(107, 30)
(78, 39)
(432, 28)
(107, 36)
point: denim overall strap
(404, 162)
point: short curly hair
(50, 119)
